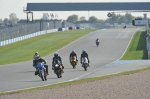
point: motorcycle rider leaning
(84, 54)
(73, 54)
(59, 58)
(39, 66)
(97, 40)
(35, 58)
(41, 60)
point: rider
(35, 58)
(97, 40)
(41, 60)
(84, 54)
(59, 58)
(73, 54)
(40, 65)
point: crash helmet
(73, 51)
(55, 54)
(84, 51)
(36, 53)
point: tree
(13, 18)
(1, 21)
(6, 20)
(82, 18)
(114, 18)
(129, 17)
(93, 19)
(123, 19)
(101, 20)
(73, 18)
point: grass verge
(44, 44)
(137, 48)
(76, 81)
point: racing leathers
(40, 65)
(83, 55)
(97, 40)
(41, 60)
(73, 54)
(35, 58)
(53, 62)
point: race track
(113, 43)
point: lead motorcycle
(41, 72)
(74, 62)
(58, 68)
(85, 63)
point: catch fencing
(8, 35)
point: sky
(16, 6)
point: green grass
(44, 44)
(137, 48)
(76, 81)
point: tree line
(116, 18)
(127, 18)
(9, 21)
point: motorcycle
(74, 62)
(124, 27)
(42, 74)
(97, 43)
(58, 69)
(85, 63)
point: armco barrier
(63, 29)
(6, 42)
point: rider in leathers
(35, 58)
(84, 54)
(72, 54)
(40, 65)
(41, 60)
(59, 58)
(97, 40)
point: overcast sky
(16, 6)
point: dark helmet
(84, 51)
(55, 54)
(36, 53)
(73, 51)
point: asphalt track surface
(103, 61)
